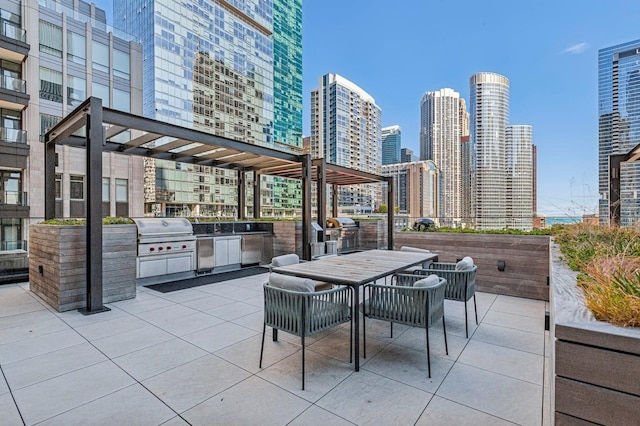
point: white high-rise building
(489, 117)
(346, 130)
(440, 132)
(519, 140)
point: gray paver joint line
(12, 397)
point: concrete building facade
(519, 177)
(416, 188)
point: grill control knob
(160, 248)
(184, 246)
(168, 247)
(152, 249)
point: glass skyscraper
(519, 177)
(213, 66)
(391, 141)
(346, 130)
(619, 127)
(489, 117)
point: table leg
(356, 325)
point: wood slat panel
(599, 366)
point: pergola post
(321, 180)
(306, 207)
(390, 212)
(49, 179)
(242, 214)
(94, 142)
(256, 195)
(334, 200)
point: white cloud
(576, 48)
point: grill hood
(163, 226)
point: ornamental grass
(608, 261)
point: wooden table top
(356, 269)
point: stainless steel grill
(347, 233)
(166, 248)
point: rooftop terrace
(191, 357)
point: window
(100, 56)
(76, 48)
(10, 187)
(11, 74)
(122, 195)
(50, 85)
(120, 64)
(101, 91)
(76, 90)
(105, 190)
(76, 187)
(121, 100)
(50, 39)
(58, 186)
(47, 121)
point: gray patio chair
(461, 283)
(417, 250)
(292, 259)
(416, 301)
(292, 305)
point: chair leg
(302, 338)
(351, 333)
(274, 332)
(444, 329)
(264, 329)
(466, 322)
(391, 330)
(475, 307)
(364, 329)
(428, 356)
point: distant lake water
(563, 220)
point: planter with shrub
(595, 325)
(57, 261)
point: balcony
(13, 136)
(13, 92)
(14, 198)
(13, 41)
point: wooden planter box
(526, 258)
(57, 264)
(595, 366)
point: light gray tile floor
(190, 357)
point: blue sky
(397, 51)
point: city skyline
(441, 44)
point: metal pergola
(615, 162)
(98, 129)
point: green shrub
(109, 220)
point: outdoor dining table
(355, 270)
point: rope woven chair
(305, 312)
(415, 301)
(461, 283)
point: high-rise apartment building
(467, 188)
(619, 128)
(416, 187)
(519, 202)
(54, 55)
(391, 144)
(489, 117)
(407, 156)
(231, 68)
(534, 178)
(440, 132)
(346, 130)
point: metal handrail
(13, 135)
(13, 198)
(11, 30)
(13, 83)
